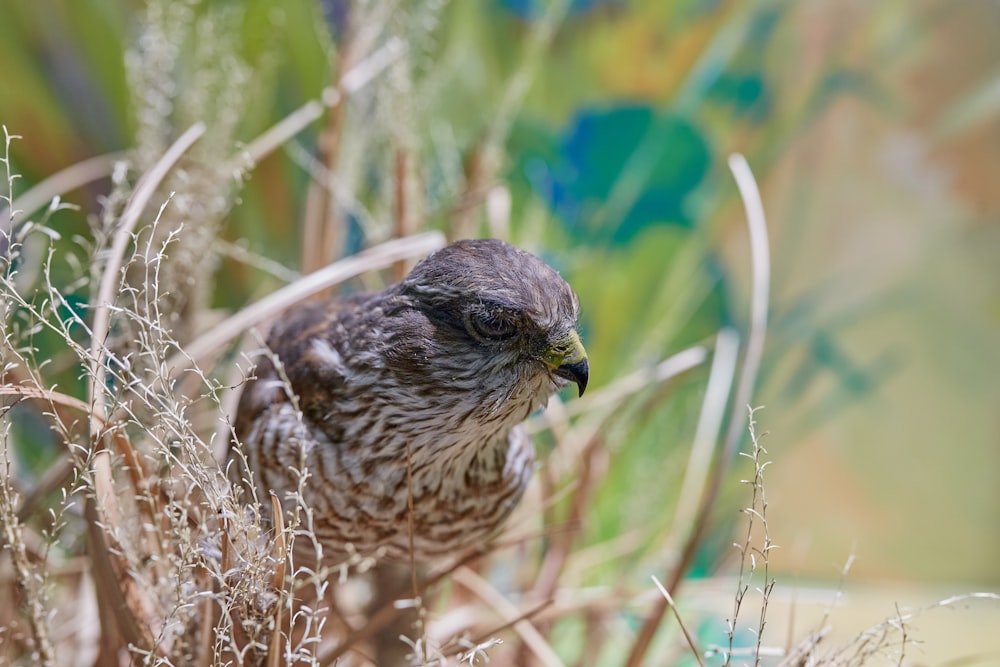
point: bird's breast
(361, 487)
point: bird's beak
(567, 358)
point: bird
(396, 415)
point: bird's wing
(265, 388)
(304, 339)
(289, 341)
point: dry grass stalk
(377, 257)
(109, 282)
(29, 577)
(760, 288)
(485, 160)
(59, 183)
(751, 555)
(533, 640)
(680, 622)
(293, 123)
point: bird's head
(495, 319)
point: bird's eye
(493, 326)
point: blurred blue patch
(742, 86)
(337, 14)
(533, 9)
(614, 171)
(746, 93)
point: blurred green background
(873, 128)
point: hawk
(412, 397)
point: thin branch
(695, 477)
(680, 622)
(706, 435)
(760, 272)
(30, 580)
(47, 395)
(526, 616)
(388, 612)
(613, 394)
(275, 649)
(57, 474)
(131, 608)
(66, 180)
(109, 279)
(485, 161)
(298, 120)
(760, 257)
(589, 473)
(533, 639)
(411, 528)
(239, 253)
(604, 404)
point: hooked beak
(567, 359)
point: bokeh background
(872, 128)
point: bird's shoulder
(295, 338)
(301, 323)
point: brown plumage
(441, 367)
